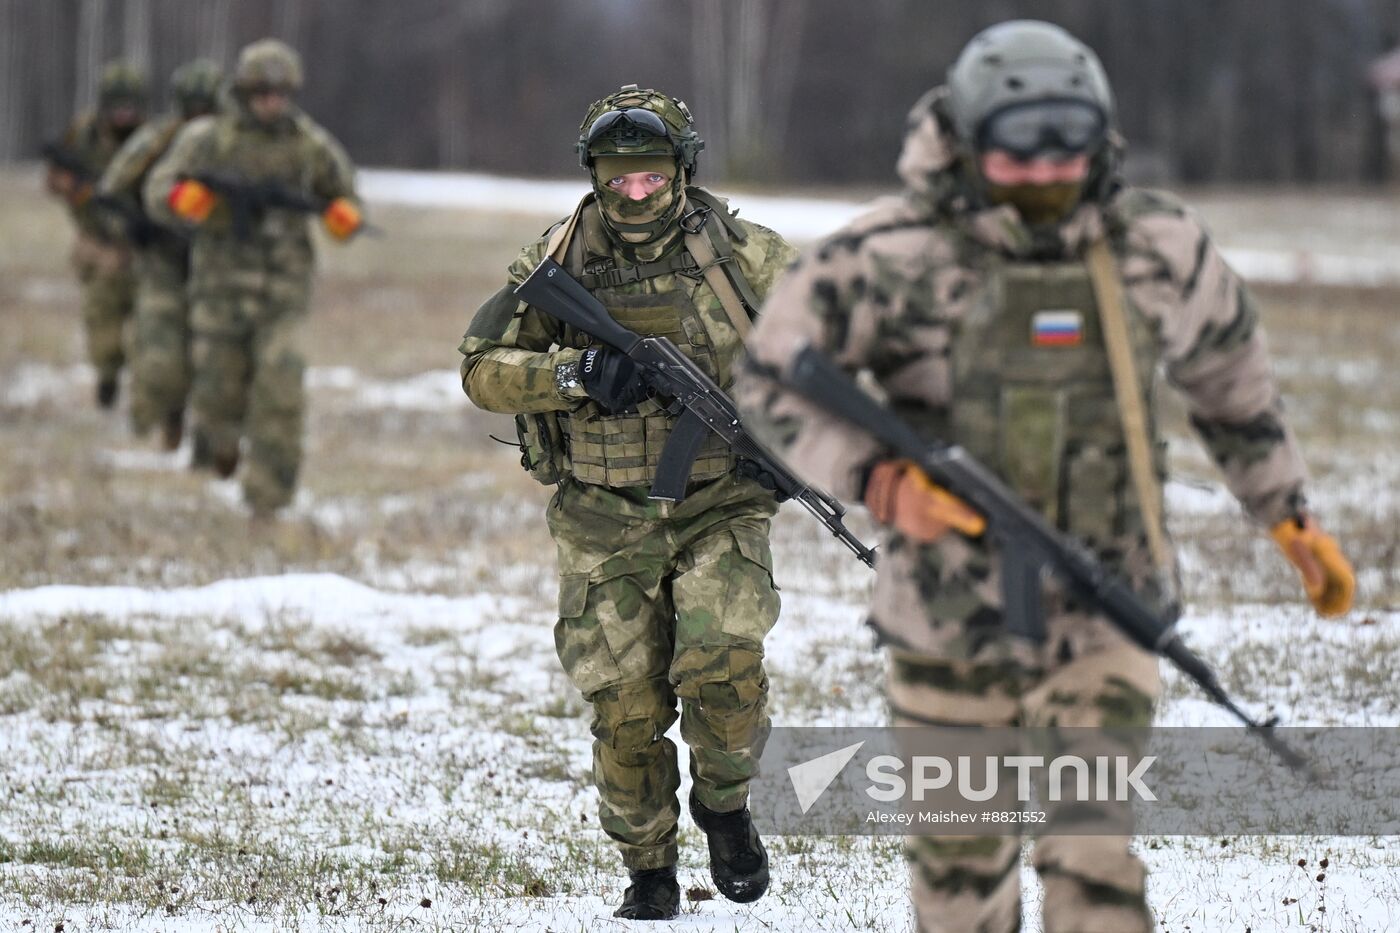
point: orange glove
(342, 218)
(898, 493)
(191, 201)
(1327, 576)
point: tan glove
(900, 494)
(1327, 575)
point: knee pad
(631, 718)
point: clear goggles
(1036, 128)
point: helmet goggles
(631, 126)
(1026, 130)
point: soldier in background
(974, 300)
(101, 252)
(243, 182)
(657, 601)
(160, 338)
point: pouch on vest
(543, 451)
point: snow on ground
(805, 218)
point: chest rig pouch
(1034, 399)
(624, 449)
(666, 298)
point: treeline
(810, 91)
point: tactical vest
(667, 298)
(1034, 399)
(96, 149)
(286, 156)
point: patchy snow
(30, 384)
(316, 599)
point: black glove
(748, 469)
(612, 380)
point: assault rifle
(65, 159)
(139, 229)
(701, 404)
(1029, 545)
(248, 200)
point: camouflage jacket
(127, 171)
(295, 152)
(512, 350)
(95, 146)
(892, 294)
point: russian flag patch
(1057, 329)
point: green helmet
(639, 121)
(268, 64)
(1026, 63)
(121, 83)
(195, 85)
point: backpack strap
(710, 244)
(558, 243)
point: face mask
(649, 220)
(643, 221)
(1039, 204)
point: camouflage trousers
(108, 290)
(249, 368)
(972, 672)
(160, 339)
(660, 603)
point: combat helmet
(195, 86)
(639, 121)
(267, 64)
(1025, 64)
(121, 83)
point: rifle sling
(1132, 408)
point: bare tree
(746, 55)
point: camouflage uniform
(657, 601)
(101, 254)
(160, 339)
(937, 295)
(249, 296)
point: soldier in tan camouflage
(658, 602)
(101, 252)
(160, 338)
(250, 263)
(971, 301)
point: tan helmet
(1024, 63)
(122, 83)
(268, 64)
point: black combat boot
(172, 430)
(107, 391)
(652, 895)
(225, 464)
(738, 861)
(201, 456)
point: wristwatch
(566, 379)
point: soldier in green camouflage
(160, 338)
(658, 602)
(972, 300)
(101, 253)
(250, 267)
